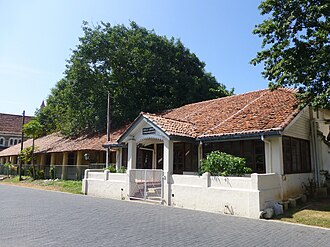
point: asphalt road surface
(30, 217)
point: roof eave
(113, 145)
(247, 135)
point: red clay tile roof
(55, 143)
(172, 126)
(252, 112)
(12, 124)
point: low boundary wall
(105, 184)
(243, 196)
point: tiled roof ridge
(212, 101)
(238, 112)
(288, 90)
(15, 115)
(168, 118)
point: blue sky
(37, 37)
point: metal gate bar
(146, 184)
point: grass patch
(69, 186)
(314, 213)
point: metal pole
(107, 160)
(22, 140)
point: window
(14, 141)
(71, 157)
(124, 157)
(2, 141)
(296, 155)
(185, 157)
(252, 150)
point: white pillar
(131, 156)
(168, 170)
(107, 158)
(200, 154)
(118, 158)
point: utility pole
(22, 140)
(107, 159)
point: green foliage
(8, 167)
(33, 129)
(296, 47)
(52, 172)
(122, 169)
(111, 168)
(142, 71)
(26, 154)
(40, 174)
(221, 164)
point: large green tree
(296, 47)
(142, 71)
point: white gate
(146, 184)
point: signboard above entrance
(148, 131)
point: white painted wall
(243, 196)
(106, 184)
(274, 155)
(299, 126)
(293, 184)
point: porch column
(168, 170)
(79, 163)
(200, 154)
(131, 156)
(118, 158)
(52, 159)
(7, 159)
(12, 159)
(42, 161)
(1, 160)
(64, 165)
(53, 163)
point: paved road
(30, 217)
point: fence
(69, 172)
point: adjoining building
(11, 129)
(284, 145)
(69, 156)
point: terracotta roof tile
(55, 143)
(10, 123)
(173, 127)
(252, 112)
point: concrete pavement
(30, 217)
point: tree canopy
(142, 71)
(296, 47)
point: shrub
(52, 172)
(111, 168)
(40, 174)
(221, 164)
(122, 169)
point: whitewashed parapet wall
(243, 196)
(105, 184)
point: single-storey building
(69, 156)
(284, 145)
